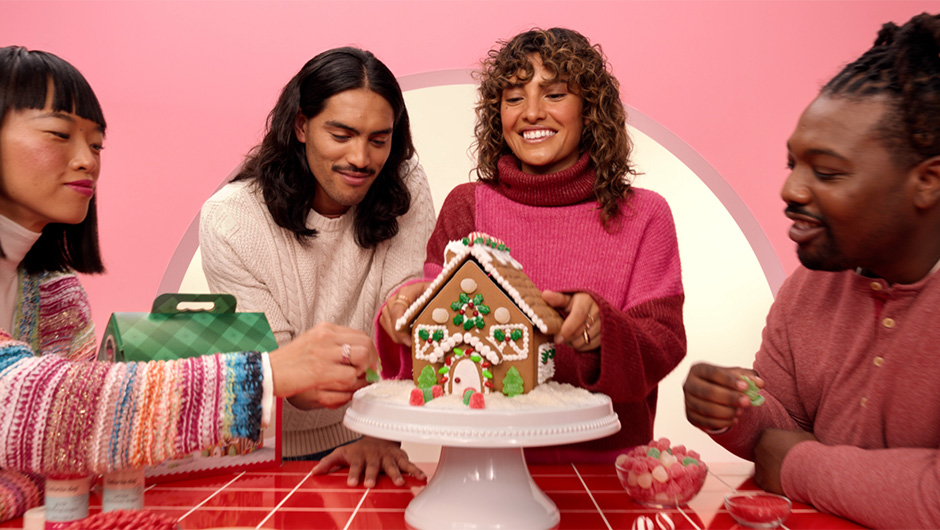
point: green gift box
(189, 325)
(173, 330)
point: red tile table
(589, 497)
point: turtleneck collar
(16, 242)
(570, 186)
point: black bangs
(25, 77)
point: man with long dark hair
(328, 216)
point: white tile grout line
(284, 499)
(216, 492)
(687, 518)
(355, 511)
(588, 490)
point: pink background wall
(186, 86)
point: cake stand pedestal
(481, 481)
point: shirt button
(879, 361)
(875, 286)
(864, 402)
(888, 322)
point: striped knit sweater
(552, 224)
(61, 413)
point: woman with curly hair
(554, 183)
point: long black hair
(25, 77)
(279, 164)
(904, 66)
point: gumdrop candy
(659, 473)
(644, 481)
(417, 397)
(476, 401)
(437, 391)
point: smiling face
(346, 146)
(49, 164)
(851, 204)
(542, 121)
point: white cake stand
(481, 481)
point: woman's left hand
(367, 457)
(582, 326)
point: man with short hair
(848, 364)
(327, 217)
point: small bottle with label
(66, 500)
(123, 490)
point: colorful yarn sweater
(552, 224)
(854, 361)
(61, 413)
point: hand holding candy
(752, 392)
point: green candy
(653, 452)
(752, 392)
(372, 376)
(689, 461)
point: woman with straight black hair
(63, 413)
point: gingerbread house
(481, 324)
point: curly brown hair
(566, 53)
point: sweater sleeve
(783, 407)
(645, 339)
(92, 417)
(879, 488)
(231, 243)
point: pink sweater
(552, 225)
(854, 361)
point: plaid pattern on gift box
(169, 332)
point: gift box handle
(215, 303)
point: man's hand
(714, 396)
(771, 449)
(370, 456)
(395, 307)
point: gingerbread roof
(493, 256)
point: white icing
(481, 348)
(546, 368)
(440, 315)
(468, 285)
(522, 351)
(545, 396)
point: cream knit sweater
(331, 279)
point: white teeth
(541, 133)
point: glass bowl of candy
(660, 475)
(758, 509)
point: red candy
(476, 401)
(417, 397)
(758, 508)
(656, 474)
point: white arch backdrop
(730, 271)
